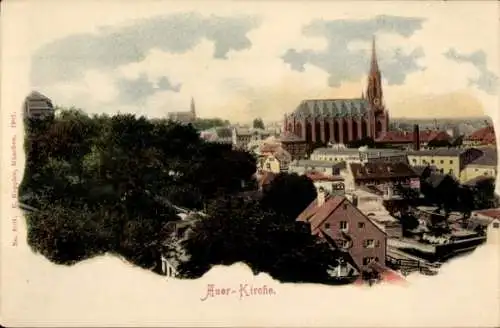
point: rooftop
(355, 151)
(437, 152)
(316, 163)
(319, 176)
(332, 107)
(407, 137)
(489, 158)
(381, 170)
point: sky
(240, 60)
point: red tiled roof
(318, 176)
(483, 135)
(407, 137)
(315, 214)
(490, 212)
(269, 148)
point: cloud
(136, 91)
(347, 63)
(110, 47)
(487, 80)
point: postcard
(239, 163)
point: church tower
(193, 109)
(374, 89)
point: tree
(201, 124)
(239, 230)
(289, 194)
(438, 143)
(99, 180)
(258, 124)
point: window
(485, 173)
(327, 225)
(268, 166)
(368, 260)
(345, 206)
(441, 161)
(377, 243)
(368, 243)
(361, 225)
(496, 225)
(343, 225)
(414, 160)
(475, 170)
(432, 161)
(451, 161)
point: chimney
(416, 137)
(355, 200)
(321, 196)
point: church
(342, 120)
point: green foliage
(258, 124)
(240, 230)
(289, 194)
(97, 180)
(208, 123)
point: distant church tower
(374, 95)
(374, 88)
(193, 109)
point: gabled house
(335, 218)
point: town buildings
(336, 218)
(382, 174)
(186, 116)
(448, 160)
(482, 137)
(338, 153)
(483, 166)
(412, 140)
(342, 120)
(38, 106)
(277, 162)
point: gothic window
(354, 130)
(318, 131)
(345, 132)
(327, 132)
(336, 131)
(298, 129)
(308, 131)
(364, 129)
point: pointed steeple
(374, 62)
(193, 108)
(374, 88)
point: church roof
(332, 107)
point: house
(217, 135)
(485, 165)
(412, 140)
(382, 174)
(242, 137)
(483, 136)
(358, 155)
(277, 162)
(305, 165)
(173, 253)
(38, 106)
(296, 146)
(372, 205)
(337, 219)
(448, 160)
(333, 184)
(489, 220)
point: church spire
(374, 88)
(374, 63)
(193, 108)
